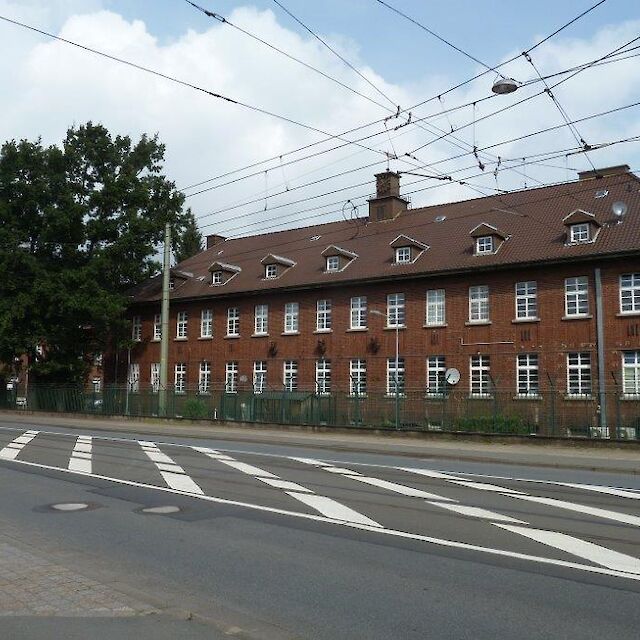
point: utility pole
(164, 342)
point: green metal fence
(502, 412)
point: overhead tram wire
(402, 111)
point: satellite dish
(452, 376)
(619, 208)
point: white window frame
(133, 377)
(629, 293)
(435, 315)
(580, 232)
(579, 375)
(391, 376)
(631, 374)
(396, 312)
(485, 245)
(180, 377)
(576, 297)
(323, 315)
(527, 375)
(261, 320)
(292, 317)
(206, 323)
(157, 326)
(526, 300)
(182, 320)
(204, 377)
(358, 377)
(271, 271)
(233, 322)
(154, 377)
(479, 376)
(323, 377)
(290, 375)
(231, 377)
(216, 277)
(479, 303)
(259, 376)
(136, 329)
(403, 255)
(435, 370)
(332, 264)
(358, 312)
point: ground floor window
(527, 374)
(180, 377)
(323, 377)
(579, 374)
(395, 376)
(479, 378)
(204, 378)
(631, 373)
(358, 377)
(290, 375)
(231, 377)
(259, 376)
(435, 375)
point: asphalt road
(286, 542)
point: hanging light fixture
(503, 85)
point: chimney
(617, 170)
(214, 239)
(387, 204)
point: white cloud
(50, 85)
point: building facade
(529, 295)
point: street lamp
(375, 312)
(504, 85)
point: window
(261, 320)
(479, 379)
(271, 271)
(233, 321)
(206, 323)
(579, 374)
(576, 296)
(395, 310)
(395, 376)
(479, 304)
(358, 377)
(259, 376)
(291, 317)
(155, 377)
(580, 232)
(180, 377)
(435, 307)
(630, 293)
(435, 375)
(172, 284)
(333, 263)
(358, 312)
(290, 375)
(323, 315)
(526, 300)
(323, 377)
(204, 378)
(231, 377)
(403, 255)
(157, 326)
(527, 374)
(181, 325)
(134, 377)
(484, 244)
(631, 373)
(136, 328)
(216, 277)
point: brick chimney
(214, 239)
(387, 204)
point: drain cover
(164, 510)
(70, 506)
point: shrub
(194, 408)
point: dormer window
(275, 266)
(337, 259)
(580, 232)
(221, 273)
(216, 277)
(333, 263)
(403, 255)
(484, 244)
(271, 271)
(172, 284)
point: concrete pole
(397, 376)
(164, 341)
(602, 395)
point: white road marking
(172, 473)
(484, 486)
(452, 544)
(612, 491)
(285, 484)
(580, 548)
(477, 512)
(11, 451)
(249, 469)
(430, 473)
(582, 508)
(80, 459)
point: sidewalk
(555, 453)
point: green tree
(189, 242)
(79, 225)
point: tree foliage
(190, 242)
(80, 223)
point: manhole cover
(164, 510)
(70, 506)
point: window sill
(476, 323)
(524, 320)
(204, 393)
(259, 335)
(180, 339)
(480, 397)
(588, 316)
(392, 396)
(232, 336)
(290, 333)
(434, 396)
(583, 398)
(535, 397)
(630, 397)
(357, 396)
(435, 326)
(205, 338)
(356, 329)
(323, 331)
(628, 314)
(155, 340)
(400, 326)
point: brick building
(528, 294)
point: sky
(49, 86)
